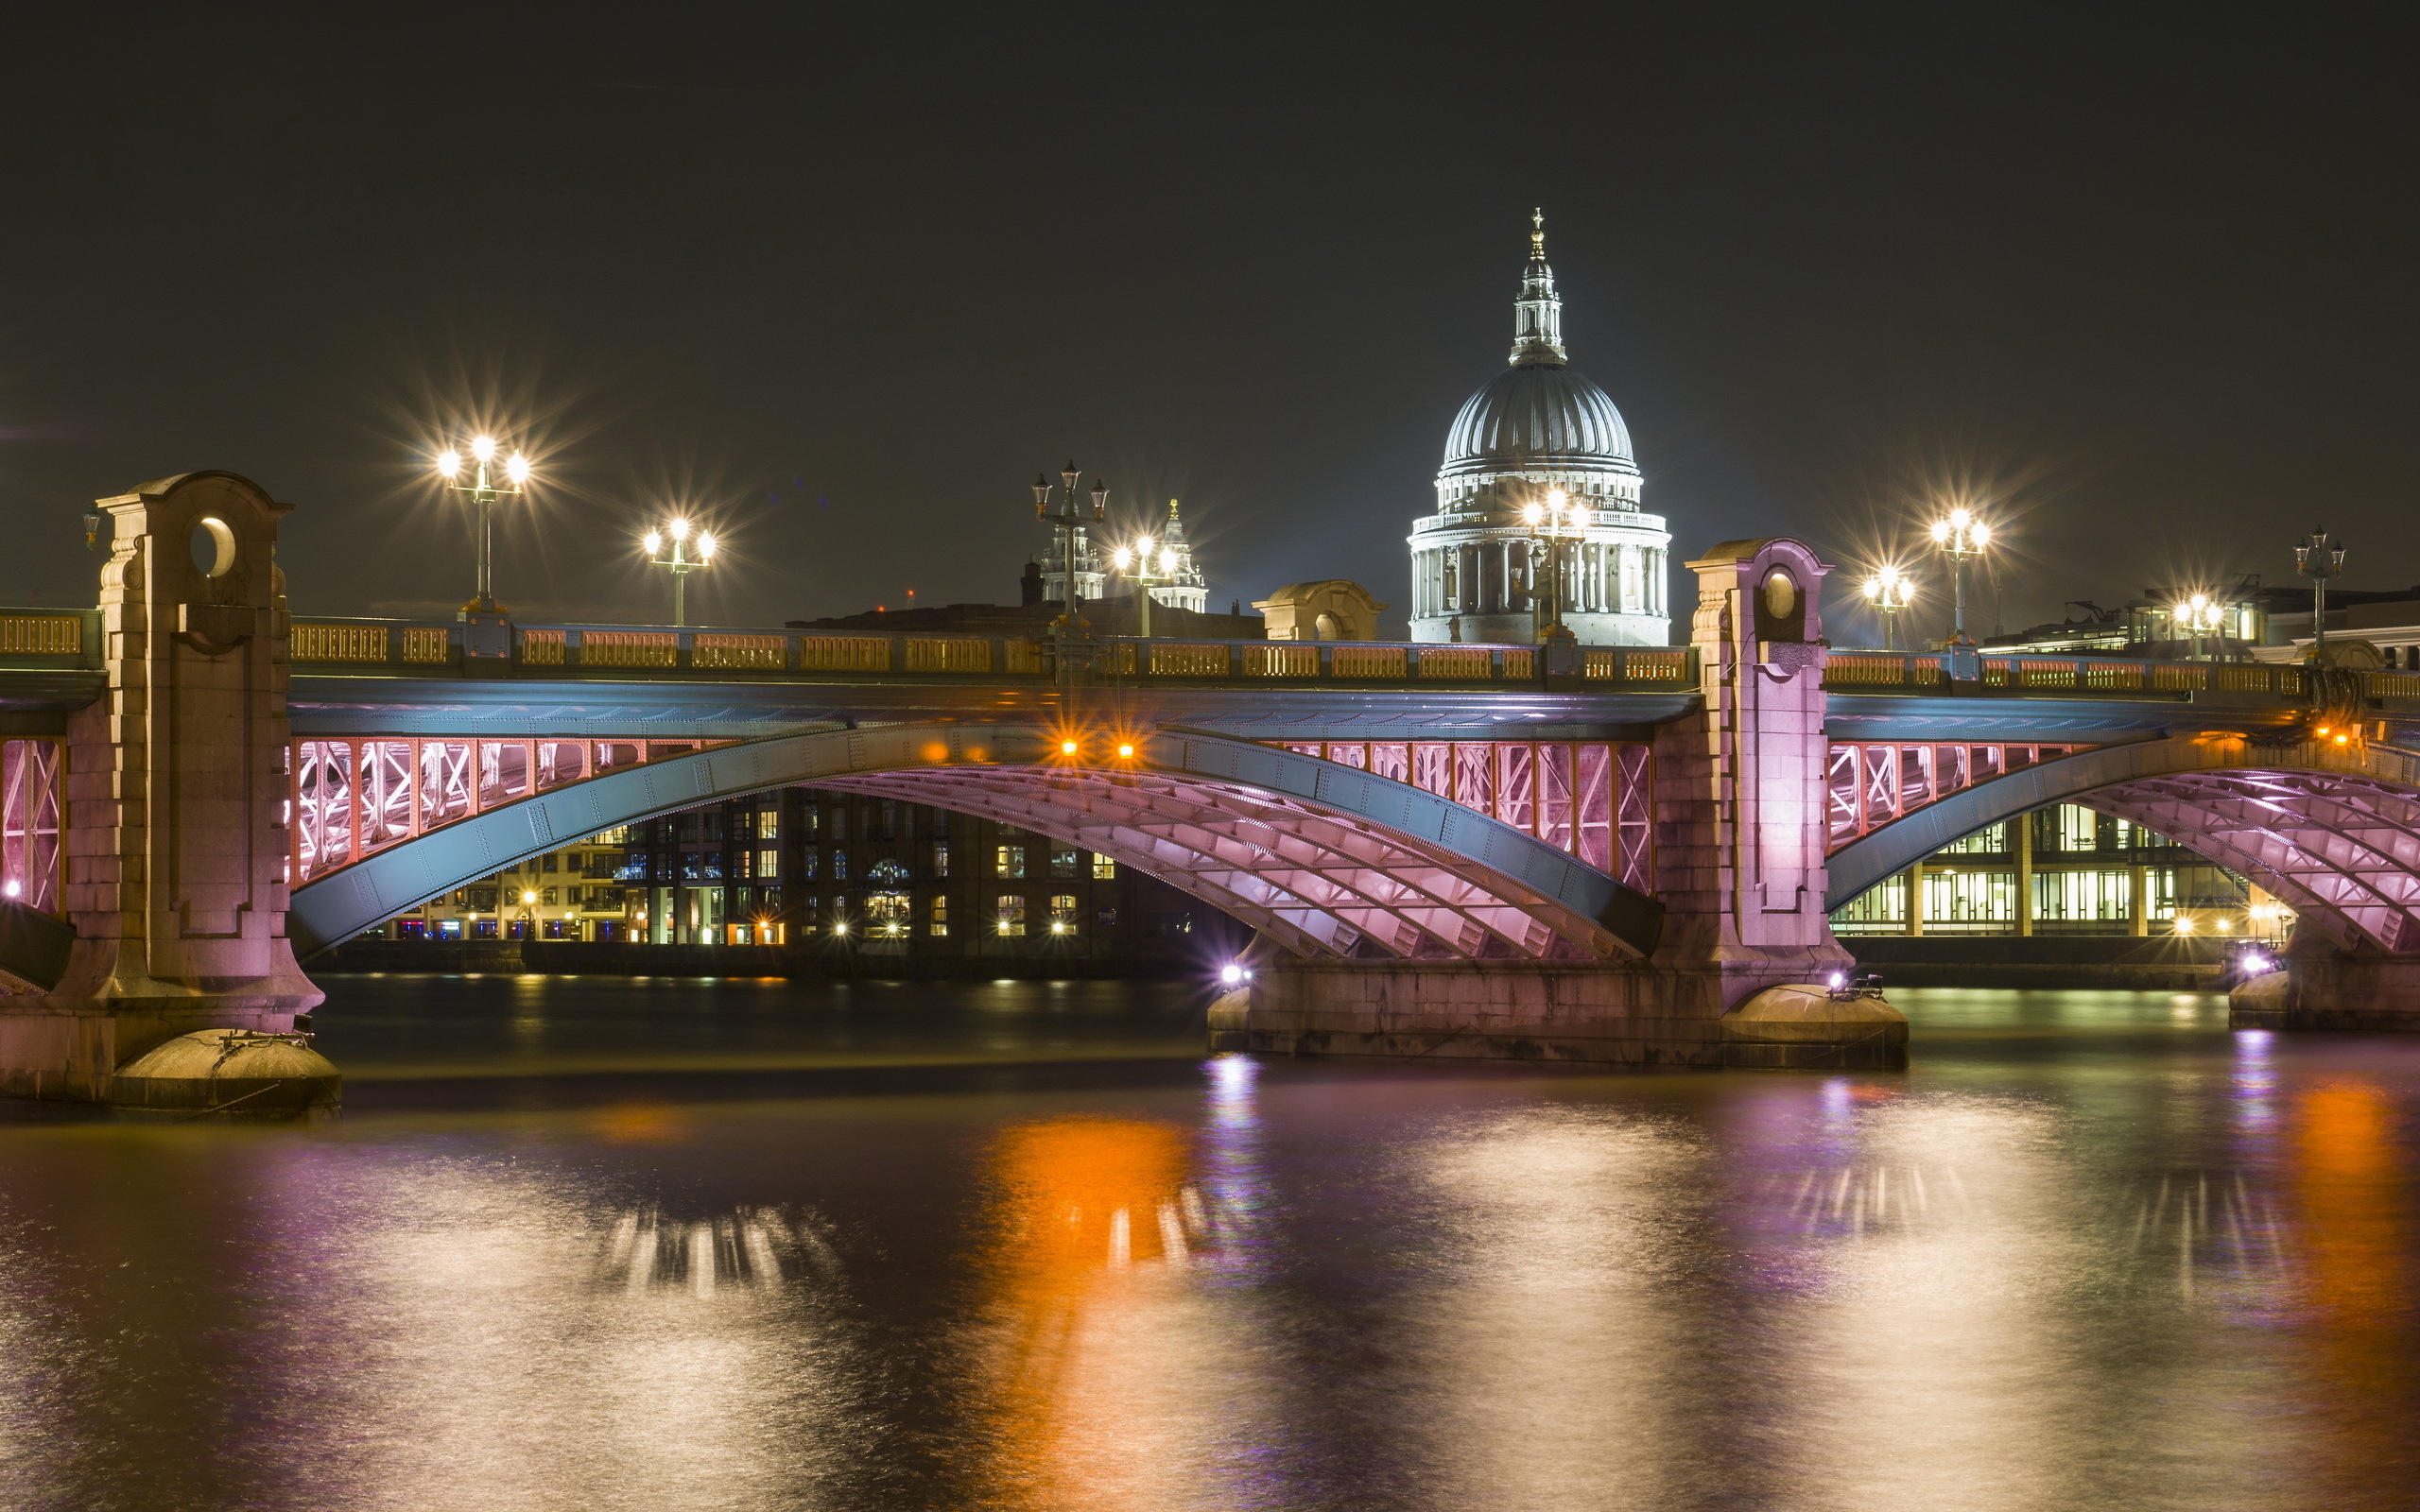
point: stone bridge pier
(1739, 868)
(177, 840)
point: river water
(584, 1242)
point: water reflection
(1559, 1349)
(742, 1249)
(1943, 1325)
(1107, 1372)
(2356, 1283)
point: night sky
(839, 280)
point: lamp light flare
(652, 542)
(1982, 534)
(1941, 530)
(1168, 562)
(1126, 751)
(449, 463)
(1532, 514)
(484, 448)
(1231, 973)
(705, 545)
(680, 529)
(1066, 748)
(1122, 559)
(518, 468)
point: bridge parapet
(632, 652)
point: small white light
(1167, 563)
(1144, 548)
(518, 468)
(449, 463)
(653, 542)
(1941, 530)
(14, 886)
(705, 547)
(483, 448)
(1840, 979)
(680, 529)
(1532, 514)
(1874, 587)
(1231, 973)
(1982, 534)
(1962, 516)
(1122, 559)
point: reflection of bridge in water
(1566, 852)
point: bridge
(1594, 853)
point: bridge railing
(64, 639)
(1895, 671)
(622, 652)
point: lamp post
(2318, 560)
(1069, 517)
(1139, 565)
(1960, 536)
(2198, 615)
(1557, 520)
(1889, 589)
(483, 491)
(680, 564)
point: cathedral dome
(1538, 415)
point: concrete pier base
(2332, 991)
(1634, 1015)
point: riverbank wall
(2053, 961)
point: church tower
(1537, 426)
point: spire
(1537, 319)
(1174, 534)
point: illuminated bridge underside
(1320, 883)
(1329, 860)
(2334, 831)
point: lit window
(1063, 914)
(887, 915)
(941, 860)
(768, 825)
(1011, 916)
(940, 915)
(547, 897)
(768, 863)
(1104, 869)
(1066, 863)
(1009, 861)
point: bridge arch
(2333, 829)
(1326, 860)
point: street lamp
(2197, 615)
(1960, 537)
(1068, 516)
(680, 564)
(1889, 589)
(484, 489)
(2318, 560)
(1552, 522)
(1144, 571)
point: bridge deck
(414, 677)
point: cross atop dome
(1537, 315)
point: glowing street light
(1960, 536)
(1556, 520)
(680, 563)
(484, 489)
(2196, 617)
(1889, 589)
(1144, 570)
(2318, 560)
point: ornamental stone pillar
(176, 797)
(1740, 782)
